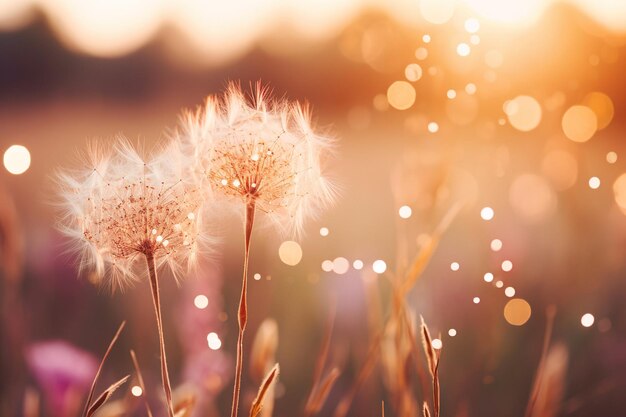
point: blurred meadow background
(511, 110)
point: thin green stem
(154, 284)
(243, 306)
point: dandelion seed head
(120, 206)
(261, 151)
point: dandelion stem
(154, 284)
(243, 306)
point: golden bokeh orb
(579, 123)
(401, 95)
(523, 112)
(517, 312)
(290, 253)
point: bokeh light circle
(579, 123)
(290, 252)
(401, 95)
(523, 112)
(16, 159)
(517, 312)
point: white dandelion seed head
(119, 208)
(261, 151)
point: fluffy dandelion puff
(121, 209)
(261, 152)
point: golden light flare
(594, 183)
(405, 212)
(433, 127)
(509, 292)
(421, 53)
(611, 157)
(290, 253)
(517, 312)
(213, 340)
(401, 95)
(379, 266)
(463, 49)
(507, 266)
(341, 265)
(413, 72)
(579, 123)
(523, 112)
(471, 25)
(487, 213)
(106, 28)
(201, 301)
(511, 12)
(327, 266)
(16, 159)
(15, 14)
(587, 320)
(221, 31)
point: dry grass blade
(316, 401)
(140, 380)
(426, 410)
(416, 355)
(95, 379)
(550, 394)
(428, 249)
(436, 389)
(257, 404)
(550, 314)
(263, 349)
(431, 358)
(105, 396)
(184, 407)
